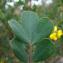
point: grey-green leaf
(43, 50)
(19, 50)
(30, 27)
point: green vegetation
(24, 34)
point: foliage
(30, 31)
(53, 12)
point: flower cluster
(56, 34)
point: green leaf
(43, 50)
(44, 28)
(19, 50)
(30, 27)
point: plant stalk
(30, 53)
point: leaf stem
(30, 53)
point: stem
(30, 53)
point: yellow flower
(55, 28)
(56, 34)
(53, 36)
(59, 33)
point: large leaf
(30, 28)
(19, 50)
(43, 50)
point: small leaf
(19, 50)
(43, 50)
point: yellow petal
(59, 33)
(55, 28)
(53, 36)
